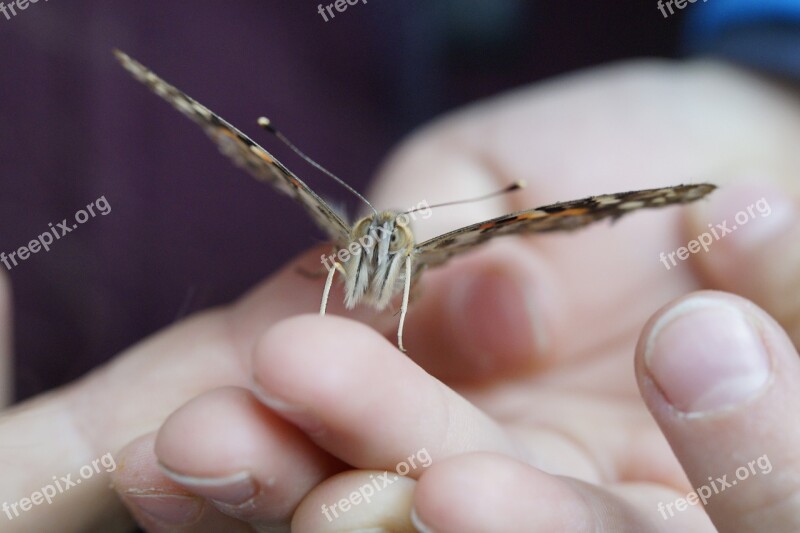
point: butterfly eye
(396, 241)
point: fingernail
(167, 509)
(300, 416)
(750, 213)
(705, 355)
(496, 315)
(236, 489)
(418, 524)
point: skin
(526, 380)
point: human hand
(540, 382)
(571, 407)
(539, 385)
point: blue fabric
(711, 18)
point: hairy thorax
(379, 245)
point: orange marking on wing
(532, 216)
(263, 155)
(568, 212)
(517, 218)
(227, 132)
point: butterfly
(383, 257)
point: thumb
(754, 233)
(720, 378)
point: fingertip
(229, 448)
(355, 500)
(152, 498)
(222, 425)
(720, 377)
(744, 215)
(137, 465)
(482, 491)
(749, 236)
(287, 351)
(706, 353)
(305, 367)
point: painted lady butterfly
(387, 263)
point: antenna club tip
(520, 184)
(266, 123)
(121, 56)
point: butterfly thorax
(378, 247)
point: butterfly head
(374, 272)
(388, 232)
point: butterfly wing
(560, 216)
(243, 150)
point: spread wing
(560, 216)
(243, 150)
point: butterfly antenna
(517, 185)
(265, 123)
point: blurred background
(187, 230)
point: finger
(753, 234)
(250, 464)
(720, 377)
(343, 383)
(361, 399)
(158, 503)
(493, 314)
(505, 312)
(486, 492)
(357, 501)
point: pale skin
(545, 415)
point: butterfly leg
(404, 306)
(328, 282)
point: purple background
(187, 230)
